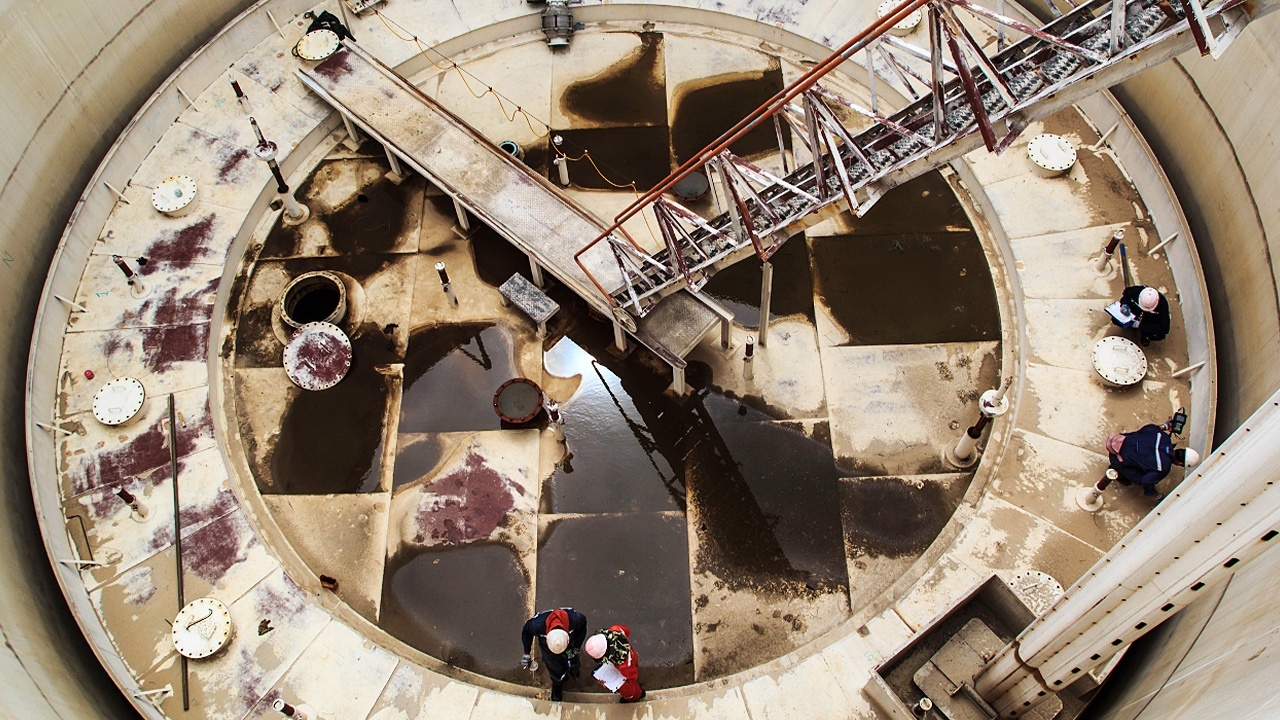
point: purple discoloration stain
(322, 359)
(230, 162)
(212, 550)
(147, 451)
(164, 346)
(277, 604)
(335, 67)
(175, 307)
(180, 247)
(137, 585)
(465, 505)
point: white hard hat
(557, 641)
(1190, 457)
(1149, 299)
(596, 645)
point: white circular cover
(118, 401)
(317, 44)
(173, 196)
(202, 628)
(1119, 361)
(904, 26)
(1053, 153)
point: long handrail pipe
(733, 134)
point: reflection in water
(450, 375)
(463, 605)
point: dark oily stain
(256, 341)
(415, 458)
(907, 289)
(616, 430)
(889, 517)
(359, 227)
(631, 92)
(706, 108)
(372, 225)
(463, 605)
(926, 204)
(767, 502)
(147, 451)
(335, 67)
(496, 259)
(624, 155)
(737, 287)
(630, 569)
(450, 376)
(331, 440)
(182, 246)
(164, 346)
(466, 505)
(212, 550)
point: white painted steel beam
(1223, 515)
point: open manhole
(314, 297)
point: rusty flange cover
(518, 400)
(318, 356)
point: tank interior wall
(75, 72)
(1214, 125)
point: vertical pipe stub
(512, 148)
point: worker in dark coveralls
(613, 646)
(1148, 310)
(1145, 456)
(560, 634)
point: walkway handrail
(766, 110)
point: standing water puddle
(450, 376)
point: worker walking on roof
(619, 666)
(560, 634)
(1145, 456)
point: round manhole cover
(318, 356)
(693, 186)
(518, 400)
(317, 45)
(202, 628)
(1036, 590)
(118, 401)
(1051, 154)
(1119, 361)
(173, 195)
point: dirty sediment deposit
(728, 526)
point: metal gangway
(967, 98)
(504, 193)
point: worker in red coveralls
(613, 647)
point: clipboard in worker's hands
(609, 676)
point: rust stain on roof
(466, 505)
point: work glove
(525, 661)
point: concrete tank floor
(789, 535)
(778, 535)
